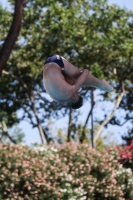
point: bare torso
(55, 83)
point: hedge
(65, 172)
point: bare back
(55, 83)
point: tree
(97, 37)
(13, 33)
(128, 137)
(17, 135)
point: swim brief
(56, 59)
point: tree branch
(111, 115)
(14, 99)
(40, 97)
(130, 118)
(15, 77)
(13, 33)
(4, 129)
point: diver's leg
(70, 69)
(91, 81)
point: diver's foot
(105, 86)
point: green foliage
(128, 137)
(91, 34)
(5, 20)
(95, 69)
(16, 134)
(61, 172)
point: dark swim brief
(56, 59)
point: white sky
(32, 135)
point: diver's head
(76, 101)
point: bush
(126, 155)
(67, 172)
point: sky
(32, 135)
(122, 3)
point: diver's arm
(80, 81)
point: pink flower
(114, 181)
(123, 157)
(131, 145)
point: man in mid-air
(62, 81)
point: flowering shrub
(126, 155)
(66, 172)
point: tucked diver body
(62, 81)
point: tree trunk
(37, 120)
(4, 129)
(69, 125)
(110, 116)
(92, 130)
(13, 33)
(87, 119)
